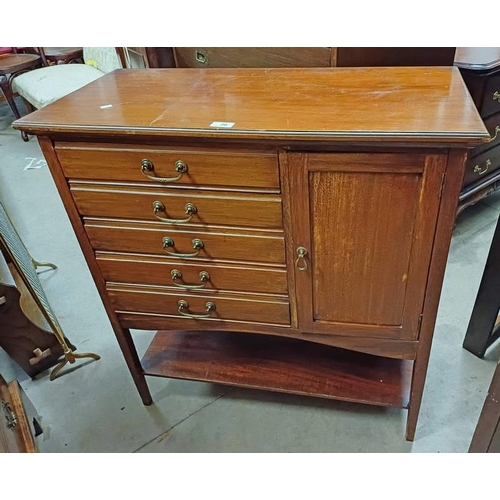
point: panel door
(362, 232)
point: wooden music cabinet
(284, 229)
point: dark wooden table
(484, 327)
(486, 438)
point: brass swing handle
(301, 262)
(169, 243)
(482, 170)
(158, 206)
(177, 275)
(497, 130)
(10, 416)
(147, 166)
(184, 307)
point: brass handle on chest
(147, 166)
(10, 416)
(177, 275)
(169, 243)
(497, 129)
(301, 262)
(482, 170)
(158, 206)
(184, 307)
(496, 96)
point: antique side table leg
(479, 332)
(127, 346)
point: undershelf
(279, 364)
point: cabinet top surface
(336, 104)
(478, 58)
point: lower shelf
(279, 364)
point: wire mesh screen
(12, 245)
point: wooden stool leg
(9, 96)
(479, 332)
(7, 92)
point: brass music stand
(14, 250)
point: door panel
(367, 222)
(362, 228)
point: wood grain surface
(266, 309)
(143, 269)
(252, 57)
(382, 104)
(262, 362)
(218, 244)
(206, 167)
(368, 236)
(212, 208)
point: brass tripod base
(44, 264)
(70, 357)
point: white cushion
(104, 58)
(45, 85)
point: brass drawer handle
(147, 166)
(169, 243)
(10, 416)
(301, 262)
(184, 307)
(480, 170)
(496, 96)
(158, 206)
(497, 129)
(177, 275)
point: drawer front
(482, 165)
(184, 207)
(225, 308)
(207, 276)
(493, 125)
(252, 57)
(491, 99)
(228, 246)
(172, 166)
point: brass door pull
(169, 243)
(301, 262)
(496, 96)
(147, 166)
(482, 170)
(184, 307)
(177, 275)
(158, 206)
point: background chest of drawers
(480, 68)
(281, 234)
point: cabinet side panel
(444, 228)
(122, 335)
